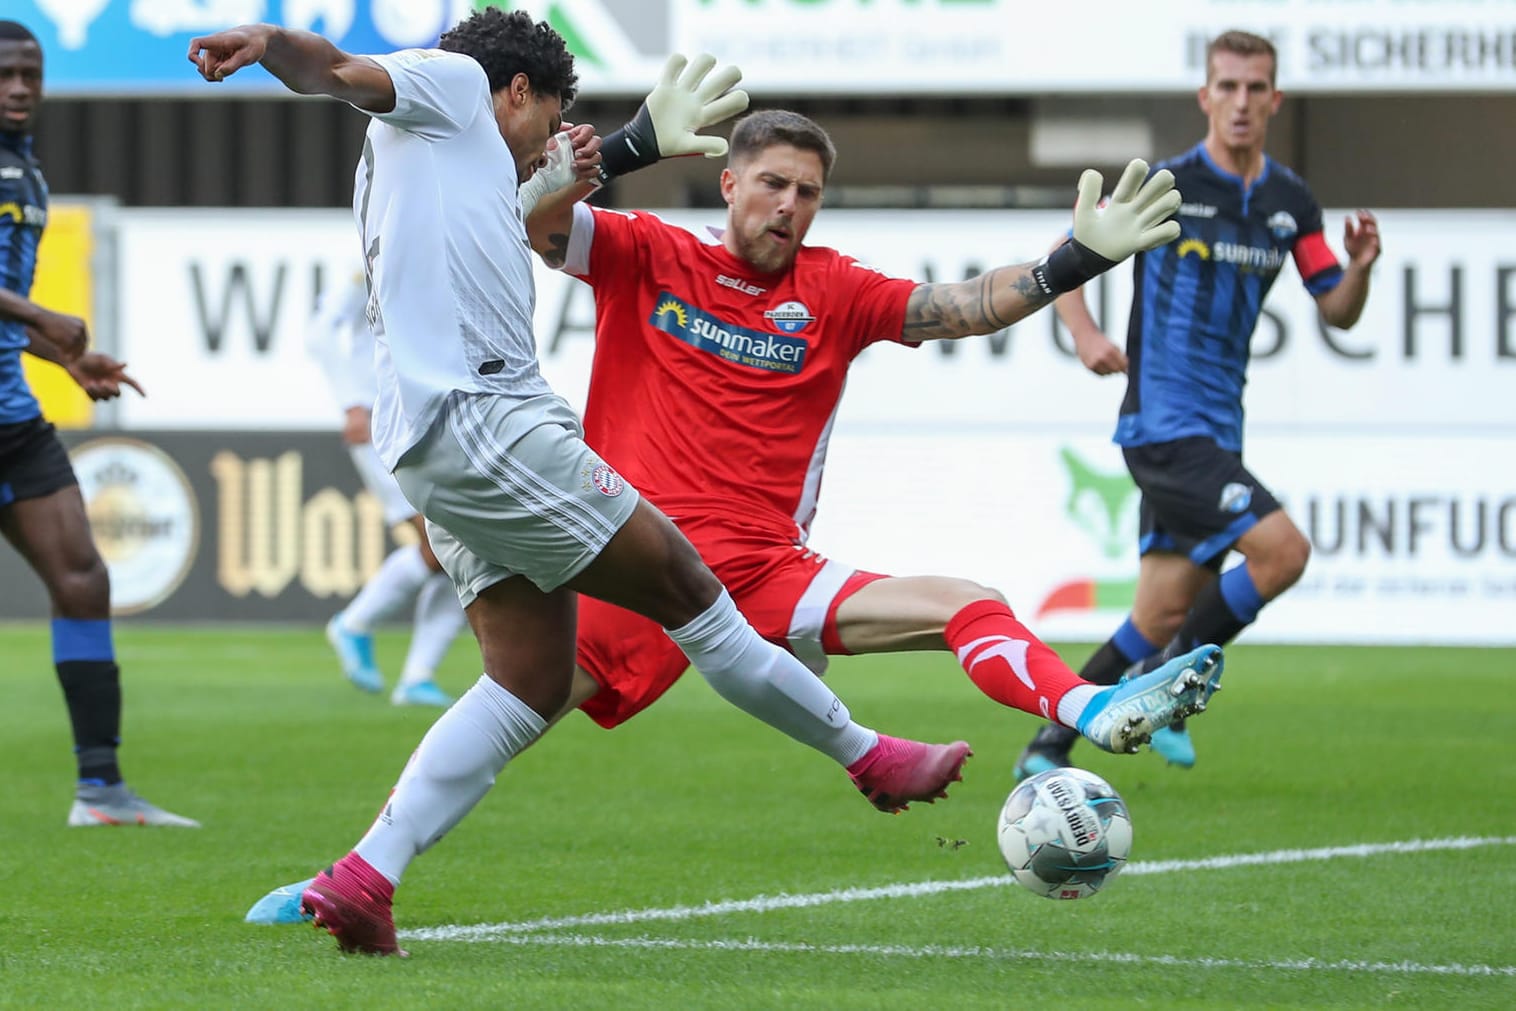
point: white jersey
(338, 338)
(451, 289)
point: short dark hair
(507, 44)
(759, 131)
(15, 31)
(1242, 44)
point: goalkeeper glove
(1138, 217)
(551, 177)
(667, 123)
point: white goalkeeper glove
(556, 174)
(1138, 217)
(688, 98)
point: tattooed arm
(979, 305)
(1138, 216)
(552, 220)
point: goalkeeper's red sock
(1013, 666)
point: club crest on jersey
(790, 317)
(739, 345)
(1282, 224)
(606, 481)
(1235, 498)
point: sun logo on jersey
(671, 308)
(1196, 247)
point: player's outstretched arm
(1136, 218)
(687, 98)
(306, 63)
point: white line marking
(1003, 954)
(769, 903)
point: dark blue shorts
(33, 463)
(1197, 498)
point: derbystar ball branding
(739, 345)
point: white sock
(764, 681)
(389, 590)
(439, 619)
(454, 766)
(1074, 702)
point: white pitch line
(770, 903)
(1010, 954)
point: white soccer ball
(1064, 833)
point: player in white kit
(522, 514)
(338, 338)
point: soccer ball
(1064, 833)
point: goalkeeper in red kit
(719, 363)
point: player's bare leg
(1013, 666)
(678, 591)
(52, 533)
(526, 639)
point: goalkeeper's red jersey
(715, 388)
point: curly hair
(507, 44)
(759, 131)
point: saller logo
(739, 345)
(737, 284)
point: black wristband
(1067, 267)
(630, 148)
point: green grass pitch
(587, 877)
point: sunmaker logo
(751, 348)
(24, 214)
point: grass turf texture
(256, 734)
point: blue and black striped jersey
(1197, 300)
(23, 213)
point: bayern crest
(606, 481)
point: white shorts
(509, 488)
(381, 484)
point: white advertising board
(1414, 538)
(1391, 443)
(956, 46)
(836, 47)
(212, 311)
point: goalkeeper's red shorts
(789, 593)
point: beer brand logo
(144, 516)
